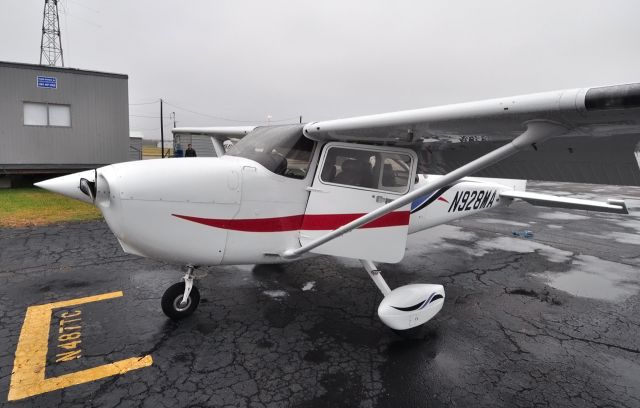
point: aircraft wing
(607, 113)
(218, 134)
(235, 132)
(601, 111)
(446, 137)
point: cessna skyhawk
(353, 187)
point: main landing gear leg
(405, 307)
(182, 298)
(375, 274)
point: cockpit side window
(349, 166)
(298, 158)
(282, 150)
(375, 170)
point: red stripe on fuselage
(300, 222)
(278, 224)
(334, 221)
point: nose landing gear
(182, 298)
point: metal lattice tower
(51, 43)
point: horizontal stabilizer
(545, 200)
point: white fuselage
(231, 210)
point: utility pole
(173, 140)
(51, 42)
(161, 131)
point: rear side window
(396, 170)
(370, 169)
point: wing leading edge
(602, 111)
(601, 144)
(222, 131)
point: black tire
(172, 298)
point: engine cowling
(411, 305)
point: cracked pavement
(506, 335)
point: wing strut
(217, 146)
(537, 132)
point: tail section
(517, 190)
(515, 184)
(544, 200)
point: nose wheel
(182, 298)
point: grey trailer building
(135, 148)
(60, 120)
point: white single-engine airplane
(352, 188)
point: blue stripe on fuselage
(418, 202)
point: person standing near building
(190, 152)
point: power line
(85, 6)
(207, 115)
(149, 116)
(66, 27)
(144, 130)
(226, 119)
(84, 20)
(143, 103)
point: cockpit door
(354, 180)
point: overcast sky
(245, 60)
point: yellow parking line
(28, 377)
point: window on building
(44, 114)
(59, 115)
(35, 114)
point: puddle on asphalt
(562, 216)
(308, 286)
(275, 294)
(435, 240)
(501, 221)
(625, 238)
(245, 268)
(522, 246)
(596, 278)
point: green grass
(24, 207)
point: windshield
(282, 150)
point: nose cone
(69, 185)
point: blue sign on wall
(47, 82)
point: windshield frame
(283, 150)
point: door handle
(315, 189)
(383, 199)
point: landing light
(88, 188)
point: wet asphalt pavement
(548, 321)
